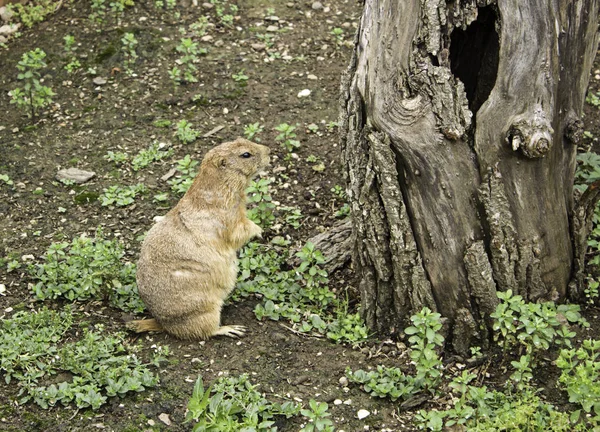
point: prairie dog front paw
(254, 230)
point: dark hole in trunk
(474, 57)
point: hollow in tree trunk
(459, 127)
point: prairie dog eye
(246, 155)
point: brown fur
(188, 263)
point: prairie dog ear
(219, 161)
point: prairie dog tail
(145, 325)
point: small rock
(2, 289)
(304, 93)
(3, 39)
(75, 174)
(317, 5)
(337, 402)
(363, 413)
(99, 81)
(272, 28)
(312, 77)
(258, 46)
(151, 422)
(272, 18)
(28, 257)
(301, 380)
(343, 381)
(206, 38)
(5, 14)
(8, 29)
(165, 419)
(346, 25)
(207, 5)
(219, 43)
(326, 9)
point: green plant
(121, 196)
(185, 133)
(31, 13)
(339, 192)
(118, 6)
(580, 377)
(129, 42)
(241, 78)
(118, 158)
(200, 26)
(98, 11)
(591, 290)
(33, 94)
(317, 415)
(87, 268)
(338, 35)
(261, 212)
(156, 152)
(593, 99)
(253, 129)
(40, 347)
(343, 212)
(12, 265)
(6, 179)
(186, 169)
(533, 326)
(588, 169)
(285, 294)
(189, 51)
(234, 404)
(73, 64)
(162, 123)
(287, 137)
(292, 216)
(424, 341)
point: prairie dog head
(241, 156)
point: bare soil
(88, 120)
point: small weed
(317, 415)
(118, 158)
(580, 377)
(154, 153)
(287, 137)
(121, 196)
(234, 404)
(185, 133)
(338, 35)
(32, 13)
(261, 212)
(252, 130)
(33, 95)
(129, 42)
(162, 123)
(73, 63)
(189, 51)
(593, 99)
(87, 268)
(38, 345)
(241, 78)
(534, 326)
(6, 179)
(186, 169)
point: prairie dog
(188, 262)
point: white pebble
(363, 413)
(304, 93)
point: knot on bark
(531, 133)
(574, 130)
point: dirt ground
(87, 120)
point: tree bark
(459, 126)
